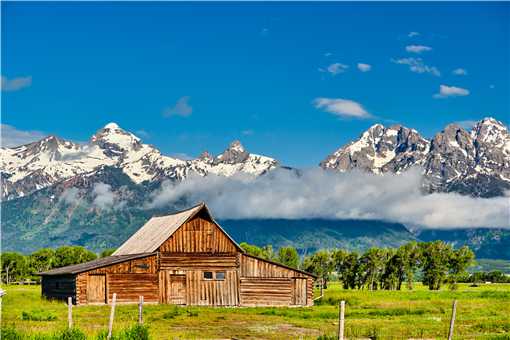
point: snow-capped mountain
(34, 166)
(380, 150)
(475, 162)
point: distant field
(483, 313)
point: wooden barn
(185, 259)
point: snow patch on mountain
(475, 162)
(34, 166)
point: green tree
(42, 259)
(107, 252)
(14, 266)
(319, 264)
(411, 254)
(436, 258)
(373, 263)
(394, 272)
(459, 261)
(68, 255)
(338, 257)
(251, 249)
(351, 271)
(268, 253)
(288, 256)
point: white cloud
(328, 54)
(418, 48)
(417, 65)
(70, 195)
(104, 196)
(335, 68)
(341, 107)
(413, 34)
(247, 132)
(364, 67)
(460, 72)
(15, 84)
(492, 86)
(10, 136)
(317, 193)
(451, 91)
(181, 108)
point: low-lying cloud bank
(316, 193)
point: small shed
(185, 258)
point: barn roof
(158, 229)
(94, 264)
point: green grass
(482, 313)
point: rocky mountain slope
(475, 162)
(28, 168)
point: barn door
(176, 289)
(299, 292)
(96, 289)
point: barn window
(208, 275)
(220, 275)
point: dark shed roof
(94, 264)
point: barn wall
(253, 267)
(259, 284)
(59, 286)
(198, 235)
(130, 286)
(147, 265)
(266, 291)
(309, 287)
(172, 261)
(128, 279)
(202, 292)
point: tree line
(18, 267)
(433, 263)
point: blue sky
(281, 77)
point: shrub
(374, 333)
(136, 332)
(327, 337)
(38, 315)
(172, 313)
(10, 333)
(70, 334)
(192, 313)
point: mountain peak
(235, 153)
(112, 126)
(237, 146)
(491, 121)
(114, 140)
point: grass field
(482, 313)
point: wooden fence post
(452, 320)
(70, 312)
(112, 314)
(140, 310)
(341, 318)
